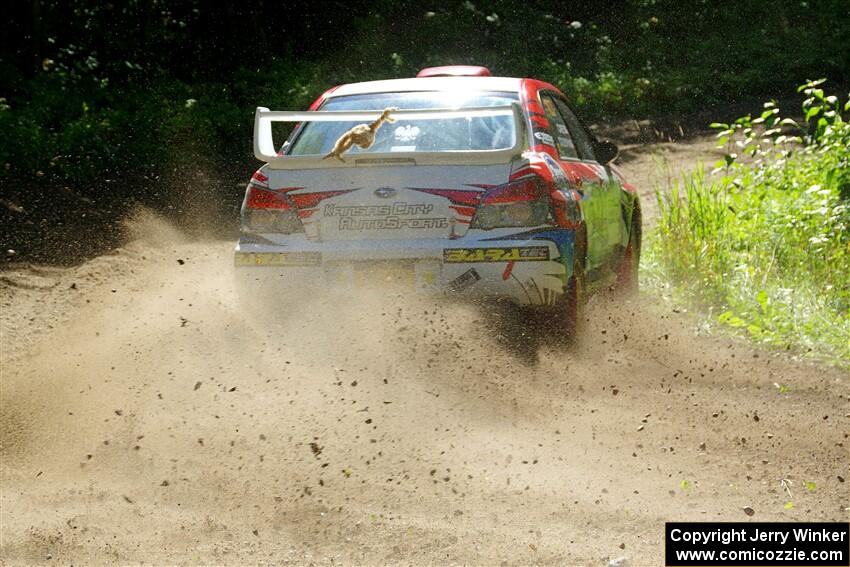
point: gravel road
(147, 416)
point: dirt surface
(148, 415)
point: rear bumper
(529, 268)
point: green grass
(762, 246)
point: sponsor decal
(464, 280)
(515, 254)
(564, 239)
(384, 217)
(391, 223)
(399, 209)
(277, 259)
(562, 129)
(558, 174)
(406, 133)
(545, 138)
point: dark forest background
(107, 105)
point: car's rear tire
(570, 309)
(563, 321)
(627, 273)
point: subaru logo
(385, 192)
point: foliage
(77, 130)
(763, 243)
(91, 87)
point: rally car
(470, 185)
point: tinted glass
(580, 136)
(478, 133)
(563, 140)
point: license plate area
(389, 274)
(419, 276)
(363, 275)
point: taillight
(260, 198)
(524, 202)
(265, 211)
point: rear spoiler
(264, 147)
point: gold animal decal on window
(362, 135)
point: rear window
(435, 135)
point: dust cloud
(152, 413)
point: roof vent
(455, 71)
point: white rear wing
(264, 146)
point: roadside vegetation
(762, 243)
(94, 91)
